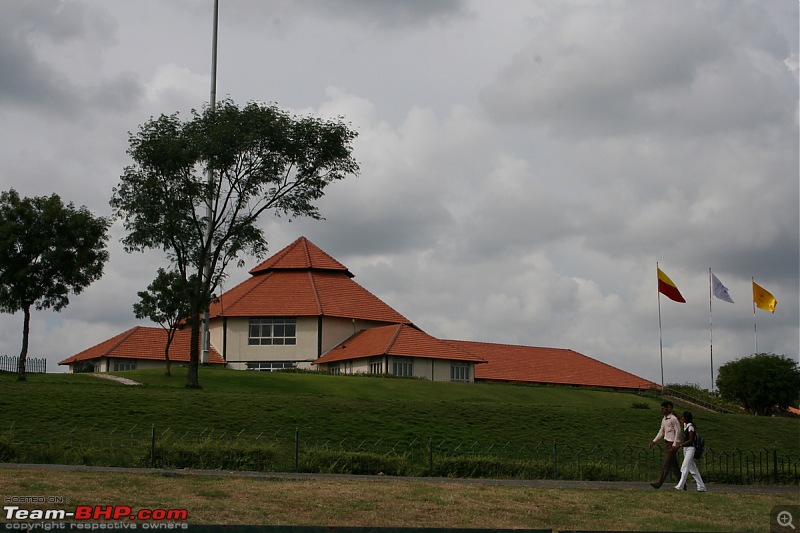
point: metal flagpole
(755, 328)
(660, 335)
(206, 341)
(710, 329)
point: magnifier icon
(785, 519)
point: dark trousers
(670, 464)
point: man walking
(671, 432)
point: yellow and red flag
(668, 288)
(763, 298)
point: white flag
(720, 290)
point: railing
(33, 365)
(696, 401)
(287, 451)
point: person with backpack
(689, 446)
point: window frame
(272, 331)
(403, 368)
(460, 372)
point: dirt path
(124, 381)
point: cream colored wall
(238, 351)
(436, 369)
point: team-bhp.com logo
(95, 512)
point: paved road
(536, 483)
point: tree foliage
(48, 251)
(165, 302)
(760, 382)
(222, 170)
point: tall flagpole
(710, 330)
(212, 105)
(755, 328)
(660, 335)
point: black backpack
(699, 444)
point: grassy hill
(360, 413)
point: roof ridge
(315, 290)
(398, 328)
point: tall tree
(48, 251)
(165, 302)
(760, 382)
(196, 189)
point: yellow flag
(763, 298)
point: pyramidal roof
(302, 254)
(303, 280)
(398, 340)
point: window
(334, 369)
(275, 331)
(402, 368)
(375, 367)
(124, 365)
(271, 366)
(459, 372)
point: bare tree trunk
(170, 336)
(192, 372)
(23, 354)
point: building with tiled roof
(553, 366)
(400, 350)
(301, 308)
(296, 306)
(138, 347)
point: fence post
(297, 449)
(430, 456)
(555, 460)
(775, 465)
(153, 446)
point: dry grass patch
(382, 502)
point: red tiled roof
(302, 254)
(399, 340)
(143, 343)
(302, 280)
(528, 364)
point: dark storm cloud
(31, 36)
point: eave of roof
(529, 364)
(398, 340)
(146, 343)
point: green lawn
(359, 412)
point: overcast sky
(524, 164)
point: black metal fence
(288, 451)
(34, 365)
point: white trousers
(689, 467)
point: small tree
(197, 188)
(165, 302)
(760, 382)
(48, 251)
